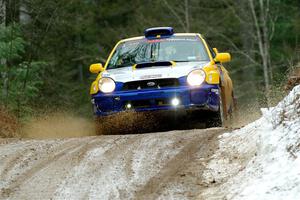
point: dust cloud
(66, 125)
(244, 115)
(58, 125)
(127, 123)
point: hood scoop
(153, 64)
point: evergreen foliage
(21, 80)
(70, 35)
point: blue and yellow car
(163, 71)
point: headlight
(196, 77)
(107, 85)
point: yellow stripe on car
(173, 63)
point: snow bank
(262, 160)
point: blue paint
(200, 97)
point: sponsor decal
(172, 40)
(151, 76)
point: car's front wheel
(217, 119)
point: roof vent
(157, 32)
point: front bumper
(205, 97)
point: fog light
(175, 102)
(216, 91)
(128, 106)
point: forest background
(46, 46)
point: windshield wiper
(188, 60)
(182, 60)
(120, 66)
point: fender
(212, 74)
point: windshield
(176, 48)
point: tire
(216, 119)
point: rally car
(163, 71)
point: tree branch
(175, 14)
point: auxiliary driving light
(128, 106)
(175, 102)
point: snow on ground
(106, 167)
(116, 180)
(262, 160)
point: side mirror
(223, 57)
(96, 68)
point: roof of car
(175, 34)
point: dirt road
(158, 165)
(258, 161)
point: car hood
(127, 74)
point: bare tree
(2, 11)
(181, 13)
(261, 20)
(3, 61)
(260, 29)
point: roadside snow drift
(262, 160)
(259, 161)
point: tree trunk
(80, 72)
(187, 18)
(2, 12)
(12, 11)
(24, 16)
(264, 12)
(3, 60)
(260, 24)
(5, 79)
(184, 21)
(246, 33)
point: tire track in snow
(151, 189)
(23, 152)
(104, 167)
(63, 150)
(56, 171)
(91, 166)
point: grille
(148, 84)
